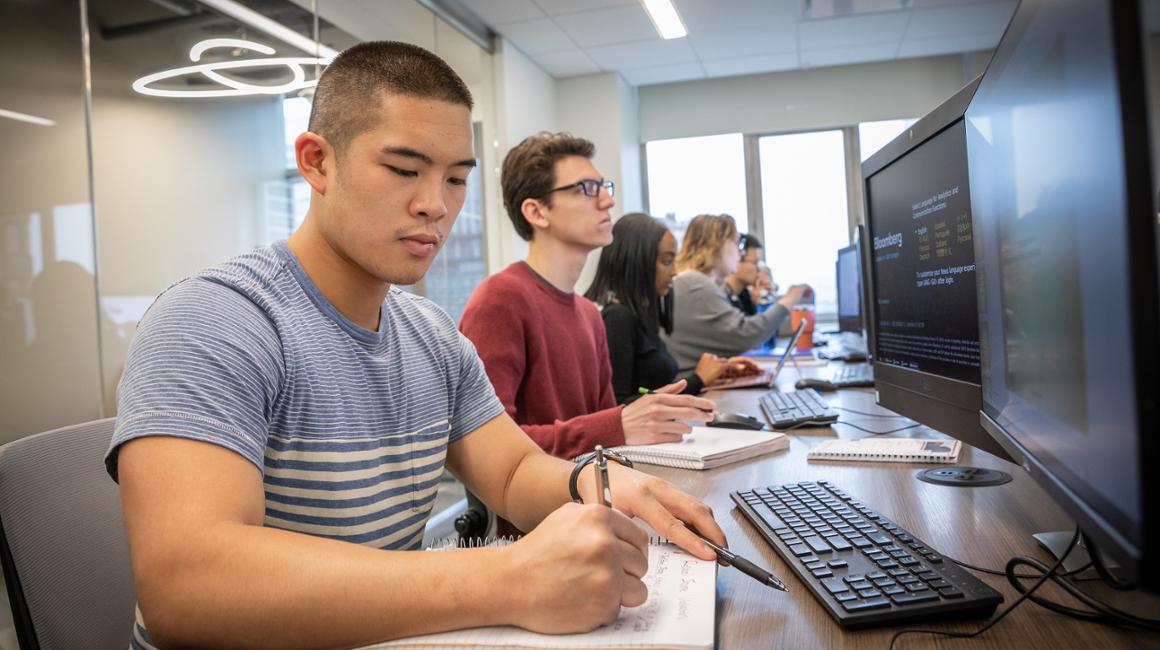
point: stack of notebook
(707, 447)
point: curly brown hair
(529, 172)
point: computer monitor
(1065, 242)
(849, 276)
(923, 319)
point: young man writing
(543, 346)
(284, 417)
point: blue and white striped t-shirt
(349, 427)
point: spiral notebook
(888, 450)
(680, 613)
(707, 447)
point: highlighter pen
(641, 390)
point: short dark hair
(749, 241)
(529, 172)
(627, 272)
(348, 95)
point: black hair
(750, 241)
(627, 272)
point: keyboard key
(916, 586)
(876, 556)
(799, 550)
(879, 538)
(822, 573)
(883, 582)
(908, 580)
(815, 565)
(868, 593)
(854, 577)
(887, 564)
(838, 543)
(898, 572)
(818, 544)
(890, 591)
(939, 583)
(907, 561)
(862, 584)
(950, 592)
(834, 585)
(860, 542)
(905, 599)
(862, 605)
(845, 596)
(874, 575)
(836, 564)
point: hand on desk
(656, 417)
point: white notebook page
(679, 613)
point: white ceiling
(731, 37)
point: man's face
(574, 218)
(399, 186)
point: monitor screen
(1067, 263)
(923, 260)
(849, 290)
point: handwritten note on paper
(679, 613)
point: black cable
(867, 414)
(877, 433)
(1102, 569)
(1102, 613)
(1024, 596)
(1003, 573)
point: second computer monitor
(849, 275)
(923, 318)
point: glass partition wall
(102, 210)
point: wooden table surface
(984, 526)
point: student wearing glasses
(704, 319)
(633, 288)
(741, 285)
(544, 347)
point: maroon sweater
(546, 354)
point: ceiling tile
(536, 36)
(988, 18)
(569, 63)
(947, 45)
(607, 26)
(847, 55)
(835, 33)
(751, 64)
(663, 74)
(726, 15)
(560, 7)
(748, 42)
(643, 54)
(495, 12)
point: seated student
(632, 286)
(284, 417)
(741, 283)
(703, 318)
(543, 346)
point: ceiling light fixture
(664, 17)
(273, 28)
(25, 117)
(233, 87)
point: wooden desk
(984, 526)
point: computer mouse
(736, 421)
(816, 384)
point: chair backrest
(62, 541)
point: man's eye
(406, 173)
(457, 181)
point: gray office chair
(62, 542)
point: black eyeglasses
(590, 187)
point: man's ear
(315, 158)
(535, 212)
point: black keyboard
(796, 408)
(853, 376)
(863, 568)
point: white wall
(803, 99)
(525, 98)
(603, 108)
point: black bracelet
(585, 460)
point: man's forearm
(538, 486)
(240, 586)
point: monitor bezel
(1143, 236)
(948, 405)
